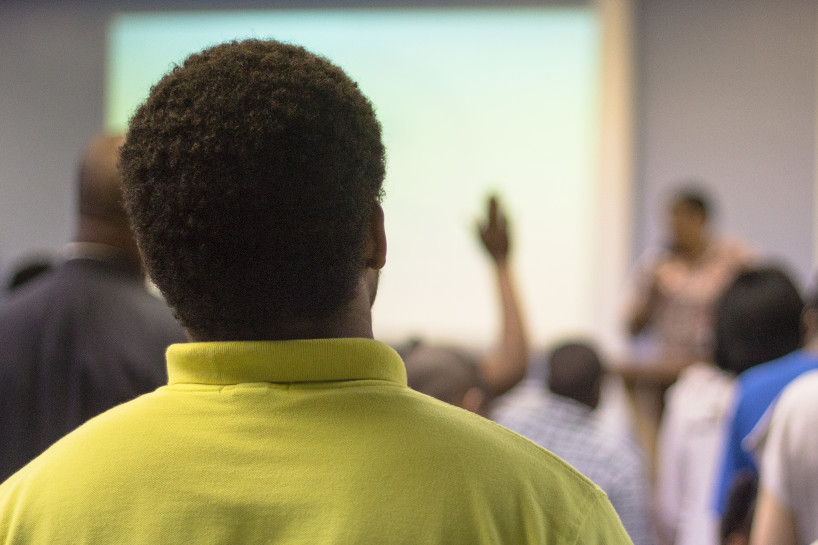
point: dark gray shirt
(73, 344)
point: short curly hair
(250, 175)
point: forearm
(641, 312)
(508, 366)
(772, 523)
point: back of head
(757, 319)
(575, 372)
(444, 373)
(100, 185)
(251, 172)
(102, 218)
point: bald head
(442, 372)
(99, 182)
(102, 217)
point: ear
(375, 257)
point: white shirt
(689, 446)
(789, 454)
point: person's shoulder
(760, 376)
(543, 481)
(58, 471)
(701, 391)
(700, 375)
(479, 438)
(36, 290)
(652, 257)
(23, 311)
(735, 249)
(801, 393)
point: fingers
(493, 230)
(493, 211)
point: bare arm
(772, 523)
(503, 370)
(641, 308)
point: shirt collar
(322, 360)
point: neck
(116, 237)
(353, 321)
(812, 345)
(695, 250)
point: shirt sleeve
(788, 443)
(775, 475)
(734, 459)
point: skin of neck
(116, 235)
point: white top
(689, 445)
(789, 455)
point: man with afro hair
(253, 177)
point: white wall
(726, 93)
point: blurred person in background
(87, 336)
(676, 286)
(757, 388)
(786, 441)
(459, 377)
(756, 321)
(564, 423)
(788, 495)
(27, 269)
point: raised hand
(494, 231)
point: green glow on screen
(471, 101)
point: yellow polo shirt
(298, 442)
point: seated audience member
(676, 286)
(564, 423)
(27, 270)
(788, 498)
(87, 336)
(446, 373)
(758, 387)
(756, 321)
(253, 175)
(459, 378)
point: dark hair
(758, 319)
(740, 509)
(694, 200)
(250, 174)
(575, 371)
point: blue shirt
(757, 390)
